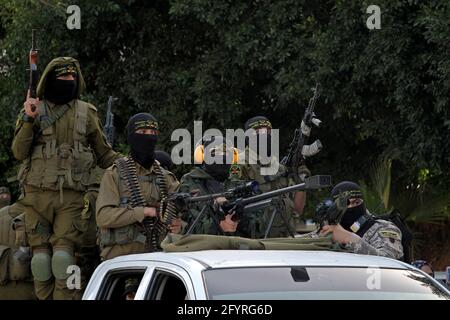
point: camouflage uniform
(286, 211)
(58, 150)
(383, 238)
(119, 223)
(16, 282)
(199, 181)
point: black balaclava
(61, 91)
(256, 123)
(142, 145)
(351, 214)
(219, 171)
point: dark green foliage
(224, 61)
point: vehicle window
(319, 283)
(120, 284)
(167, 286)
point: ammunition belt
(127, 169)
(167, 209)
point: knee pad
(41, 265)
(61, 260)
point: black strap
(369, 222)
(47, 121)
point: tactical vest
(132, 232)
(64, 166)
(14, 252)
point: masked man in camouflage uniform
(5, 197)
(210, 177)
(16, 282)
(358, 231)
(118, 217)
(59, 138)
(288, 206)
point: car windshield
(319, 283)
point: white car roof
(259, 258)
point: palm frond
(434, 209)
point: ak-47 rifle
(33, 61)
(109, 128)
(298, 149)
(254, 202)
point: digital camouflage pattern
(381, 239)
(268, 183)
(199, 182)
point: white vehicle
(261, 275)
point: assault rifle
(33, 61)
(255, 202)
(184, 200)
(298, 149)
(109, 128)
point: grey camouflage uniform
(383, 238)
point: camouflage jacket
(252, 171)
(383, 238)
(201, 183)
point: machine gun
(298, 149)
(34, 75)
(254, 202)
(183, 200)
(109, 128)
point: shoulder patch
(235, 171)
(85, 206)
(389, 234)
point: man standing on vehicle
(59, 138)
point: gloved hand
(303, 172)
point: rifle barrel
(314, 182)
